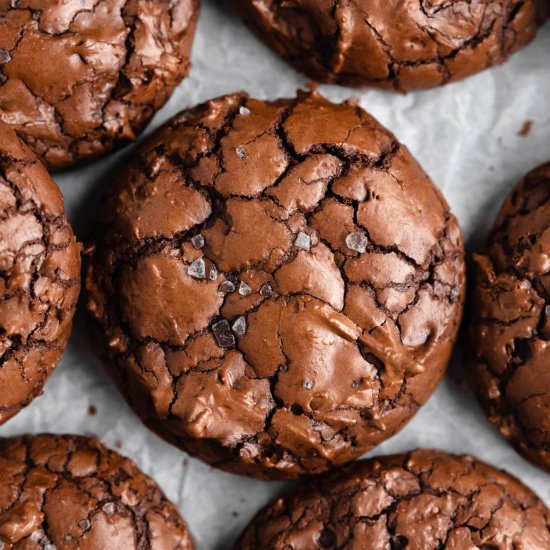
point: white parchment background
(466, 137)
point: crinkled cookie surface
(394, 44)
(71, 493)
(39, 275)
(276, 286)
(80, 77)
(510, 321)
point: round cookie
(393, 44)
(277, 286)
(79, 78)
(510, 319)
(39, 275)
(423, 500)
(68, 492)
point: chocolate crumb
(526, 128)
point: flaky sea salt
(303, 241)
(266, 290)
(213, 274)
(308, 384)
(244, 289)
(227, 286)
(197, 269)
(239, 326)
(198, 241)
(109, 508)
(357, 241)
(244, 111)
(241, 152)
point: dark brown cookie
(79, 78)
(510, 322)
(423, 500)
(277, 285)
(39, 275)
(393, 44)
(67, 492)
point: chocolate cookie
(277, 285)
(39, 275)
(68, 492)
(510, 322)
(393, 44)
(423, 500)
(80, 78)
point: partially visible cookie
(423, 500)
(78, 79)
(393, 44)
(67, 492)
(39, 275)
(276, 286)
(510, 321)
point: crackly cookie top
(79, 77)
(277, 285)
(69, 492)
(39, 275)
(395, 44)
(510, 324)
(423, 500)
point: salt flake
(241, 152)
(244, 289)
(244, 111)
(197, 269)
(198, 241)
(357, 241)
(303, 241)
(239, 326)
(109, 508)
(227, 286)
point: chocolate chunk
(89, 76)
(509, 330)
(64, 485)
(423, 500)
(391, 44)
(222, 333)
(40, 275)
(281, 397)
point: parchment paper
(466, 136)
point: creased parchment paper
(466, 136)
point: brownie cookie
(393, 44)
(423, 500)
(78, 78)
(277, 285)
(510, 321)
(39, 275)
(66, 492)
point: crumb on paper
(526, 128)
(92, 410)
